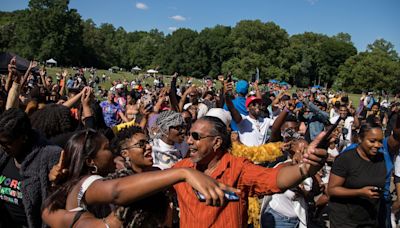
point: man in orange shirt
(209, 143)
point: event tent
(136, 68)
(51, 62)
(151, 71)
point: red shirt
(252, 180)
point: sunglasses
(178, 128)
(140, 145)
(196, 136)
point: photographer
(350, 123)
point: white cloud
(172, 28)
(178, 18)
(312, 2)
(141, 6)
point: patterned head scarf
(166, 120)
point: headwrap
(166, 120)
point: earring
(95, 169)
(128, 162)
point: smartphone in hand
(230, 196)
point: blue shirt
(70, 83)
(240, 104)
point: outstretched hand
(58, 171)
(212, 190)
(86, 95)
(315, 157)
(12, 65)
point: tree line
(50, 29)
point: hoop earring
(95, 169)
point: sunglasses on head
(196, 136)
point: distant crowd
(225, 153)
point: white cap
(221, 114)
(119, 86)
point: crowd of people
(222, 154)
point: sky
(364, 20)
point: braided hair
(141, 213)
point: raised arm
(257, 89)
(123, 191)
(276, 127)
(32, 65)
(183, 98)
(70, 102)
(314, 159)
(172, 94)
(228, 87)
(12, 71)
(161, 98)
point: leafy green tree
(384, 47)
(376, 69)
(49, 29)
(142, 52)
(215, 46)
(178, 53)
(256, 44)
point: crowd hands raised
(193, 156)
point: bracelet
(303, 174)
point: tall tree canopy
(50, 29)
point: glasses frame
(200, 137)
(137, 145)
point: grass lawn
(355, 98)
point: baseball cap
(242, 87)
(221, 114)
(119, 86)
(251, 99)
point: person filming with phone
(360, 179)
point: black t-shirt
(11, 195)
(358, 173)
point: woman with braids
(25, 161)
(80, 192)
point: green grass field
(355, 98)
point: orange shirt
(252, 180)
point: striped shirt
(252, 180)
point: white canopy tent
(136, 68)
(151, 71)
(51, 62)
